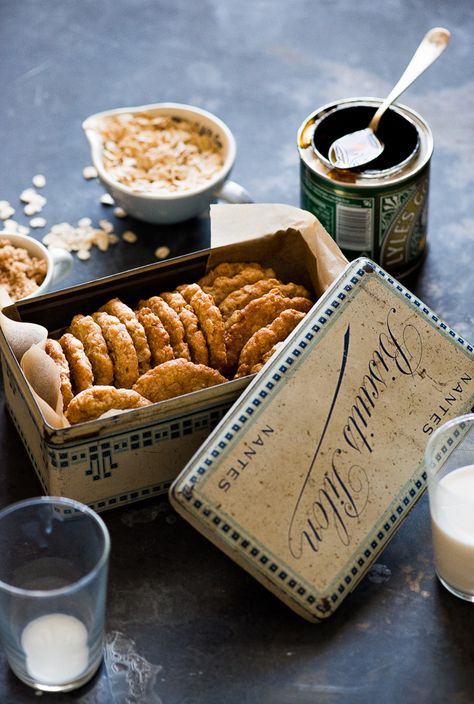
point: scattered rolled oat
(89, 172)
(102, 241)
(81, 238)
(37, 222)
(120, 212)
(15, 228)
(27, 195)
(129, 236)
(106, 199)
(38, 181)
(34, 201)
(106, 225)
(30, 209)
(6, 210)
(159, 153)
(162, 252)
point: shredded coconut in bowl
(20, 273)
(159, 153)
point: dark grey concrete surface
(185, 625)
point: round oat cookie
(121, 349)
(93, 402)
(194, 336)
(256, 368)
(266, 338)
(175, 378)
(173, 325)
(260, 312)
(89, 333)
(239, 299)
(135, 329)
(55, 351)
(227, 269)
(224, 285)
(158, 338)
(210, 320)
(80, 368)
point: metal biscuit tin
(380, 211)
(133, 455)
(312, 471)
(136, 454)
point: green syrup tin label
(381, 212)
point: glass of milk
(449, 462)
(53, 579)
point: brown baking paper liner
(27, 341)
(280, 236)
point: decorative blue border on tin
(452, 441)
(99, 454)
(259, 393)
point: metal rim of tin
(421, 154)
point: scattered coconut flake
(129, 236)
(120, 212)
(83, 254)
(39, 181)
(106, 199)
(113, 239)
(162, 252)
(84, 222)
(37, 222)
(89, 172)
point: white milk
(452, 514)
(56, 649)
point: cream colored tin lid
(313, 469)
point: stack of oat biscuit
(226, 325)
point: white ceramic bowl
(59, 260)
(171, 207)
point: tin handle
(432, 45)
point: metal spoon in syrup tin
(358, 148)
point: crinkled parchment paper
(27, 341)
(281, 236)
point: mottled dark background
(185, 625)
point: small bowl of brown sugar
(27, 268)
(163, 163)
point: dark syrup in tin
(398, 135)
(379, 210)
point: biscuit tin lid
(313, 469)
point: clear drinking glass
(53, 580)
(449, 459)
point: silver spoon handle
(431, 46)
